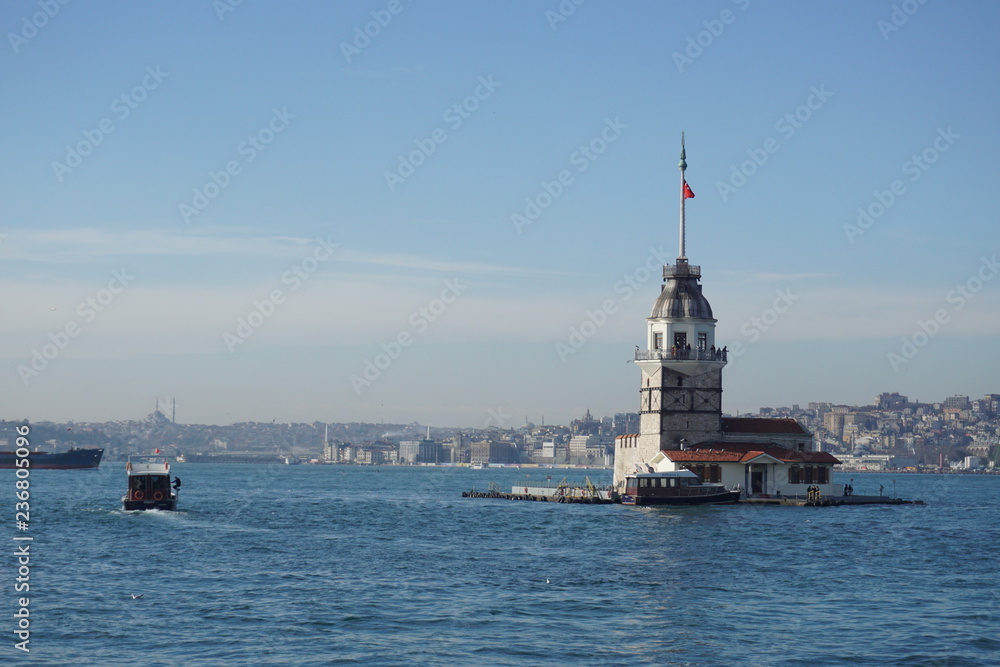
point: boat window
(644, 481)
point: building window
(809, 475)
(680, 340)
(703, 341)
(714, 473)
(657, 341)
(821, 475)
(793, 475)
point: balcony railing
(677, 354)
(681, 269)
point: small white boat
(149, 484)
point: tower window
(703, 341)
(680, 340)
(657, 341)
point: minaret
(681, 382)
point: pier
(826, 501)
(594, 495)
(558, 493)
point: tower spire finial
(682, 166)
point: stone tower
(680, 401)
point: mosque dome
(682, 298)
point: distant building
(548, 454)
(580, 444)
(585, 426)
(491, 451)
(421, 451)
(834, 423)
(625, 422)
(893, 401)
(409, 451)
(960, 402)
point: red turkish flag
(688, 193)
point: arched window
(793, 475)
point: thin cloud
(84, 245)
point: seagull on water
(136, 597)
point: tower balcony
(676, 354)
(681, 270)
(687, 362)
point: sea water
(327, 565)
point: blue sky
(170, 170)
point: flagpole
(682, 166)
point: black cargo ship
(74, 459)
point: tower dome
(682, 298)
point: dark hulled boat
(675, 487)
(74, 459)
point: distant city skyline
(426, 213)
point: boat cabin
(674, 487)
(650, 482)
(149, 485)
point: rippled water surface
(318, 565)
